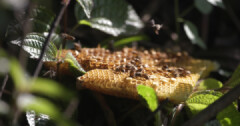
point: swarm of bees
(171, 75)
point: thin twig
(71, 108)
(107, 111)
(3, 85)
(214, 108)
(178, 110)
(52, 29)
(176, 11)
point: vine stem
(176, 11)
(52, 29)
(3, 85)
(214, 108)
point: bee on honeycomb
(171, 75)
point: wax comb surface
(171, 75)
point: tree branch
(52, 29)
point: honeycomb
(171, 75)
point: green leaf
(200, 100)
(229, 116)
(84, 22)
(41, 19)
(40, 105)
(18, 76)
(131, 39)
(37, 119)
(4, 107)
(74, 66)
(218, 3)
(50, 88)
(87, 6)
(210, 84)
(149, 95)
(113, 17)
(203, 6)
(4, 69)
(192, 33)
(235, 79)
(33, 43)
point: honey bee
(67, 37)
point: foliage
(104, 16)
(42, 98)
(33, 43)
(210, 84)
(149, 95)
(192, 33)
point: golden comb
(171, 75)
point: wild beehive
(171, 75)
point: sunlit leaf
(4, 107)
(114, 17)
(192, 33)
(149, 95)
(87, 6)
(37, 119)
(18, 75)
(235, 79)
(200, 100)
(203, 6)
(131, 39)
(50, 88)
(33, 43)
(218, 3)
(210, 84)
(40, 105)
(229, 116)
(74, 66)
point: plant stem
(3, 85)
(52, 29)
(232, 14)
(214, 108)
(186, 11)
(178, 110)
(176, 11)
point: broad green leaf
(149, 95)
(131, 39)
(37, 119)
(4, 107)
(18, 75)
(203, 6)
(87, 6)
(229, 116)
(210, 84)
(192, 33)
(50, 88)
(33, 43)
(74, 66)
(235, 79)
(4, 68)
(41, 19)
(200, 100)
(114, 17)
(218, 3)
(40, 105)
